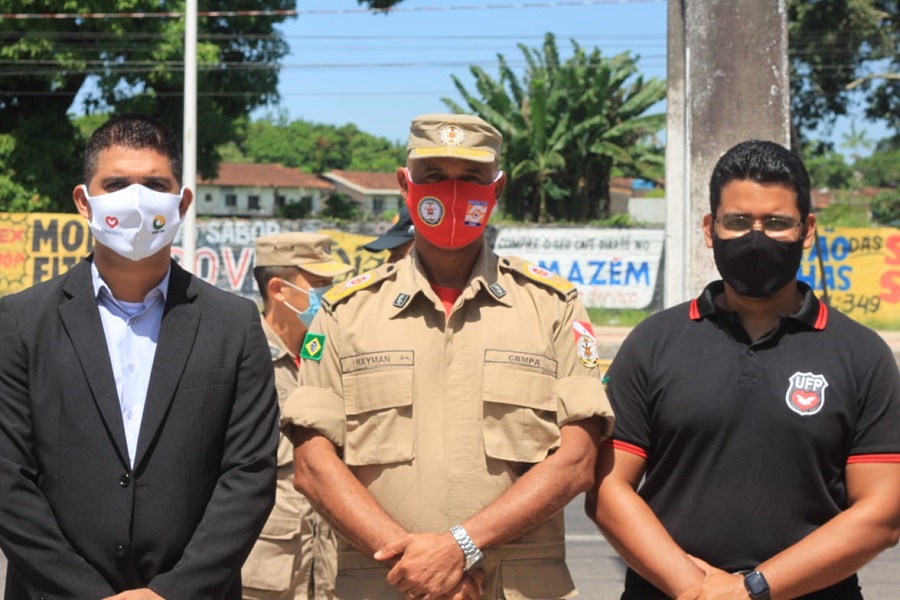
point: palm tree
(566, 126)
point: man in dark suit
(137, 403)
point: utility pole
(189, 146)
(728, 81)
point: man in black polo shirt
(766, 426)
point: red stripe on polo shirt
(822, 319)
(694, 311)
(873, 458)
(626, 447)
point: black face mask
(755, 265)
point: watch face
(756, 584)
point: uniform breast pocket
(520, 405)
(379, 406)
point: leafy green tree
(886, 207)
(339, 206)
(856, 140)
(127, 65)
(566, 126)
(379, 4)
(881, 169)
(827, 167)
(842, 52)
(317, 148)
(14, 197)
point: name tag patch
(521, 359)
(378, 360)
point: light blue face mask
(315, 301)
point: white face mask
(135, 222)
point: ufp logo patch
(806, 393)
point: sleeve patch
(586, 344)
(313, 346)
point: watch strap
(471, 552)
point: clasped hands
(429, 566)
(716, 585)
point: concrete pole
(189, 147)
(727, 82)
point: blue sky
(378, 71)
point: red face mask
(451, 213)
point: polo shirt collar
(813, 313)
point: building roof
(365, 182)
(264, 175)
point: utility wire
(321, 11)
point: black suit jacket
(76, 521)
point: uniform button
(125, 480)
(120, 550)
(751, 352)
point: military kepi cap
(453, 136)
(400, 232)
(309, 251)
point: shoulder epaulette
(344, 290)
(540, 275)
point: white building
(376, 193)
(259, 190)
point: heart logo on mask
(112, 221)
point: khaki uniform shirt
(437, 416)
(296, 554)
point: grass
(617, 317)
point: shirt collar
(813, 313)
(102, 289)
(412, 281)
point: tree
(886, 208)
(317, 148)
(339, 206)
(566, 126)
(827, 167)
(855, 140)
(841, 52)
(882, 168)
(127, 65)
(14, 196)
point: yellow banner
(859, 271)
(35, 247)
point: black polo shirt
(746, 442)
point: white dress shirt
(132, 331)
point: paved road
(598, 572)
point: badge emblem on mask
(431, 210)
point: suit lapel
(81, 320)
(176, 340)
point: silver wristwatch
(472, 553)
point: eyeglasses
(774, 226)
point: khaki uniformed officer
(295, 555)
(452, 406)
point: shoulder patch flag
(313, 346)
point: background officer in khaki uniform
(452, 406)
(295, 555)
